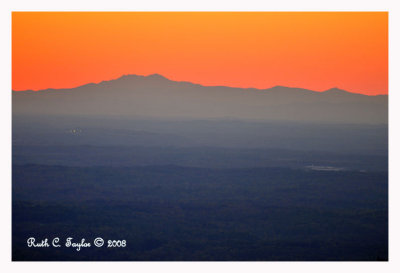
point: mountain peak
(150, 76)
(157, 76)
(335, 90)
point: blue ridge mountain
(155, 96)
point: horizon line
(162, 76)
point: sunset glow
(316, 50)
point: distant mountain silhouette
(155, 96)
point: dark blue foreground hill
(192, 214)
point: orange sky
(310, 50)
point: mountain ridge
(160, 77)
(155, 96)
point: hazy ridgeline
(187, 172)
(157, 97)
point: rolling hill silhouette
(155, 96)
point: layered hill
(155, 96)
